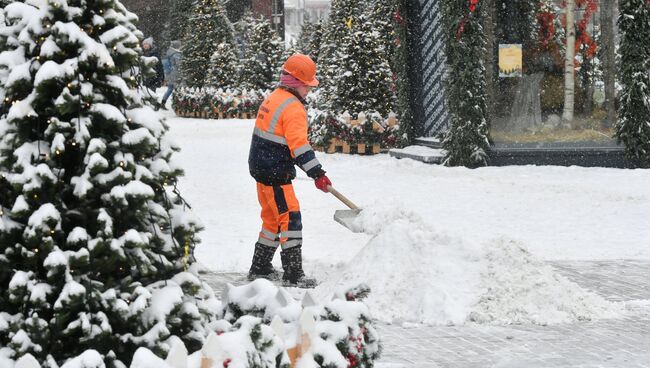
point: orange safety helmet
(303, 68)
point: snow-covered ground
(470, 226)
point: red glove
(322, 183)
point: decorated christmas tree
(224, 67)
(263, 54)
(93, 244)
(207, 28)
(354, 64)
(633, 126)
(466, 141)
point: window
(530, 100)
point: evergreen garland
(466, 142)
(633, 125)
(207, 28)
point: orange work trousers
(281, 219)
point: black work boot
(294, 276)
(261, 267)
(285, 262)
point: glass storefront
(537, 94)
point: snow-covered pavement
(556, 212)
(613, 343)
(473, 238)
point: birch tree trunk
(569, 62)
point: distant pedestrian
(171, 65)
(150, 50)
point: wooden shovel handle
(342, 198)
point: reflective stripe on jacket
(280, 141)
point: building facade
(274, 11)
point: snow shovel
(346, 217)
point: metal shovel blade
(346, 218)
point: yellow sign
(510, 60)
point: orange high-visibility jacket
(280, 141)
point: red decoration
(546, 28)
(352, 361)
(583, 37)
(461, 27)
(400, 20)
(227, 362)
(472, 5)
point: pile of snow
(421, 275)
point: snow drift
(421, 275)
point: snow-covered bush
(265, 327)
(340, 332)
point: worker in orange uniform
(280, 142)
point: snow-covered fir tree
(344, 15)
(180, 12)
(310, 38)
(207, 28)
(92, 244)
(382, 14)
(263, 54)
(466, 141)
(356, 73)
(224, 67)
(633, 125)
(390, 22)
